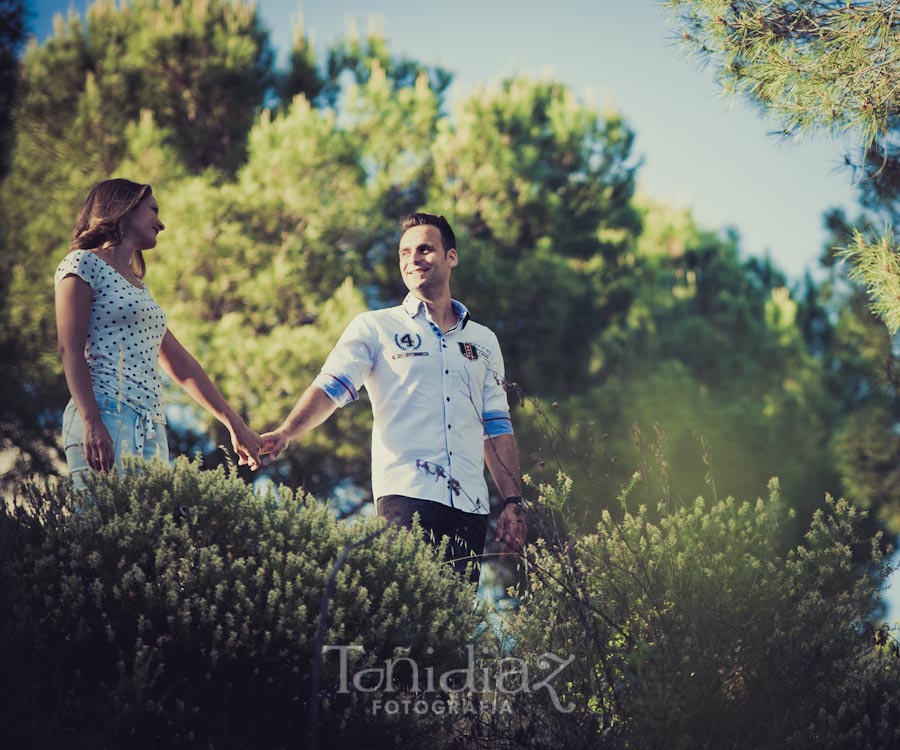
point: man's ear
(452, 257)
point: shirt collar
(413, 306)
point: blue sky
(712, 154)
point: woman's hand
(98, 445)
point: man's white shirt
(435, 398)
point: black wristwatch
(513, 500)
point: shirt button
(449, 426)
(448, 398)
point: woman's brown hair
(99, 223)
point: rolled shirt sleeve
(495, 415)
(349, 364)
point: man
(436, 382)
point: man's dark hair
(448, 239)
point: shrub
(175, 608)
(691, 628)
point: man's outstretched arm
(313, 408)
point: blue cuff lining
(497, 423)
(340, 390)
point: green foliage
(651, 352)
(363, 56)
(863, 381)
(646, 330)
(177, 608)
(303, 75)
(12, 37)
(868, 448)
(27, 418)
(693, 627)
(540, 189)
(200, 68)
(814, 64)
(876, 265)
(818, 66)
(710, 351)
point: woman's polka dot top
(125, 331)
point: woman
(112, 334)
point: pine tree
(540, 186)
(13, 24)
(303, 76)
(828, 66)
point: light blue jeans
(132, 435)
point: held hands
(255, 450)
(512, 530)
(246, 443)
(273, 443)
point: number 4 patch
(408, 341)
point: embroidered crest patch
(469, 351)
